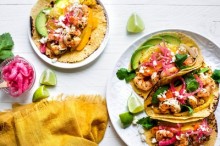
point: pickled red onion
(19, 75)
(167, 142)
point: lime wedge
(126, 119)
(135, 24)
(40, 94)
(135, 105)
(48, 77)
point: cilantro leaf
(159, 91)
(216, 75)
(147, 122)
(180, 58)
(203, 70)
(123, 73)
(191, 83)
(189, 108)
(6, 42)
(4, 54)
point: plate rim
(129, 46)
(79, 64)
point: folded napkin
(65, 121)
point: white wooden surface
(200, 16)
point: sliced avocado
(40, 24)
(171, 39)
(153, 41)
(137, 55)
(61, 3)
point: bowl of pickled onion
(19, 75)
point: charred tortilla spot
(31, 26)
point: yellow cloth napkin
(69, 121)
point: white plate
(92, 57)
(118, 91)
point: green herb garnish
(203, 70)
(216, 75)
(189, 109)
(180, 58)
(123, 73)
(191, 83)
(147, 122)
(158, 92)
(6, 44)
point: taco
(202, 132)
(189, 97)
(68, 30)
(161, 58)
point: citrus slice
(40, 94)
(135, 24)
(48, 77)
(126, 119)
(135, 105)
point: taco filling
(69, 31)
(180, 135)
(166, 60)
(191, 92)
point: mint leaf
(189, 108)
(6, 42)
(216, 75)
(147, 122)
(123, 73)
(180, 58)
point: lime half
(40, 94)
(135, 24)
(48, 77)
(126, 119)
(135, 105)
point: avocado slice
(153, 41)
(171, 39)
(137, 55)
(40, 24)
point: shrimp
(162, 134)
(169, 71)
(192, 101)
(204, 92)
(170, 104)
(70, 41)
(143, 84)
(183, 141)
(188, 61)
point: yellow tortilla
(189, 125)
(195, 65)
(96, 38)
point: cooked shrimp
(183, 140)
(143, 84)
(162, 134)
(170, 104)
(204, 92)
(169, 71)
(71, 41)
(192, 101)
(188, 61)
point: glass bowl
(13, 83)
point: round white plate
(91, 58)
(118, 91)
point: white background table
(200, 16)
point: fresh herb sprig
(123, 73)
(6, 45)
(191, 111)
(216, 75)
(147, 123)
